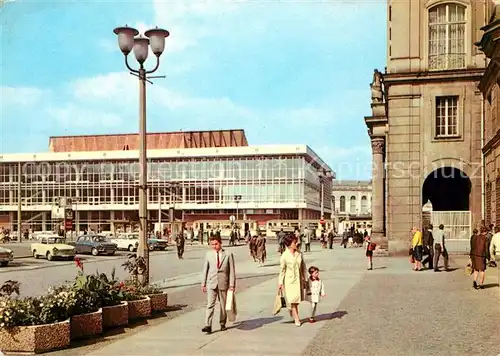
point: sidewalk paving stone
(389, 311)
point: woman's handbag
(468, 269)
(279, 302)
(283, 300)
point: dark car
(95, 244)
(156, 244)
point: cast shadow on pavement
(175, 307)
(253, 324)
(237, 278)
(272, 265)
(491, 285)
(329, 316)
(381, 267)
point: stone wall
(413, 151)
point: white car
(127, 242)
(6, 256)
(53, 247)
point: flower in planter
(9, 288)
(135, 266)
(57, 306)
(147, 289)
(79, 264)
(48, 309)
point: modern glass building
(258, 183)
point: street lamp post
(237, 199)
(140, 45)
(322, 207)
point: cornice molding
(434, 76)
(492, 143)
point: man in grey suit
(218, 276)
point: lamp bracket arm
(130, 68)
(156, 67)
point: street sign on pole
(322, 221)
(68, 225)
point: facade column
(44, 221)
(378, 149)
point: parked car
(95, 244)
(6, 256)
(53, 247)
(127, 242)
(130, 241)
(155, 243)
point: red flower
(79, 263)
(122, 284)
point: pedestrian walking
(323, 239)
(428, 247)
(440, 248)
(316, 291)
(297, 235)
(191, 235)
(330, 239)
(417, 246)
(180, 241)
(281, 237)
(260, 243)
(293, 277)
(218, 276)
(478, 247)
(307, 239)
(252, 245)
(495, 251)
(370, 247)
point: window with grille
(447, 37)
(352, 205)
(487, 218)
(447, 116)
(342, 204)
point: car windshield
(55, 240)
(99, 239)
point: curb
(65, 263)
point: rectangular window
(447, 116)
(487, 217)
(447, 37)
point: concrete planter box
(35, 339)
(159, 302)
(116, 315)
(86, 325)
(139, 309)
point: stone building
(491, 137)
(351, 204)
(426, 119)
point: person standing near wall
(440, 248)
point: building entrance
(448, 190)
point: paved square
(388, 311)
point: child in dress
(315, 292)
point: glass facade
(258, 180)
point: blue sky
(287, 72)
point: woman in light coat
(293, 276)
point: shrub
(54, 307)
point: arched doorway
(448, 189)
